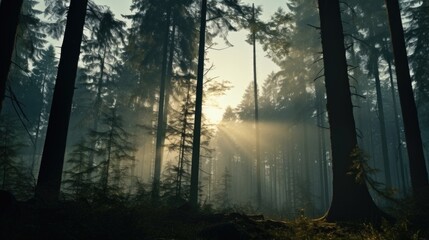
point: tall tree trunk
(257, 134)
(351, 200)
(49, 181)
(160, 133)
(9, 18)
(380, 107)
(399, 156)
(418, 171)
(169, 76)
(198, 110)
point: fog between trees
(130, 133)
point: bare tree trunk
(399, 156)
(198, 110)
(351, 200)
(380, 107)
(418, 171)
(160, 134)
(257, 134)
(49, 181)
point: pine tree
(76, 176)
(115, 153)
(222, 197)
(179, 135)
(43, 74)
(100, 54)
(15, 175)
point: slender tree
(195, 169)
(49, 180)
(418, 170)
(380, 107)
(399, 155)
(255, 95)
(176, 43)
(116, 150)
(160, 135)
(100, 53)
(77, 182)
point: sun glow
(213, 113)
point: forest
(105, 132)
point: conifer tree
(115, 152)
(76, 180)
(15, 176)
(43, 74)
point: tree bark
(49, 181)
(351, 200)
(198, 110)
(9, 18)
(418, 171)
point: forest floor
(71, 220)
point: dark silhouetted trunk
(257, 134)
(169, 79)
(198, 110)
(9, 17)
(49, 181)
(351, 200)
(160, 133)
(418, 171)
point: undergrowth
(142, 220)
(304, 228)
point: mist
(336, 132)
